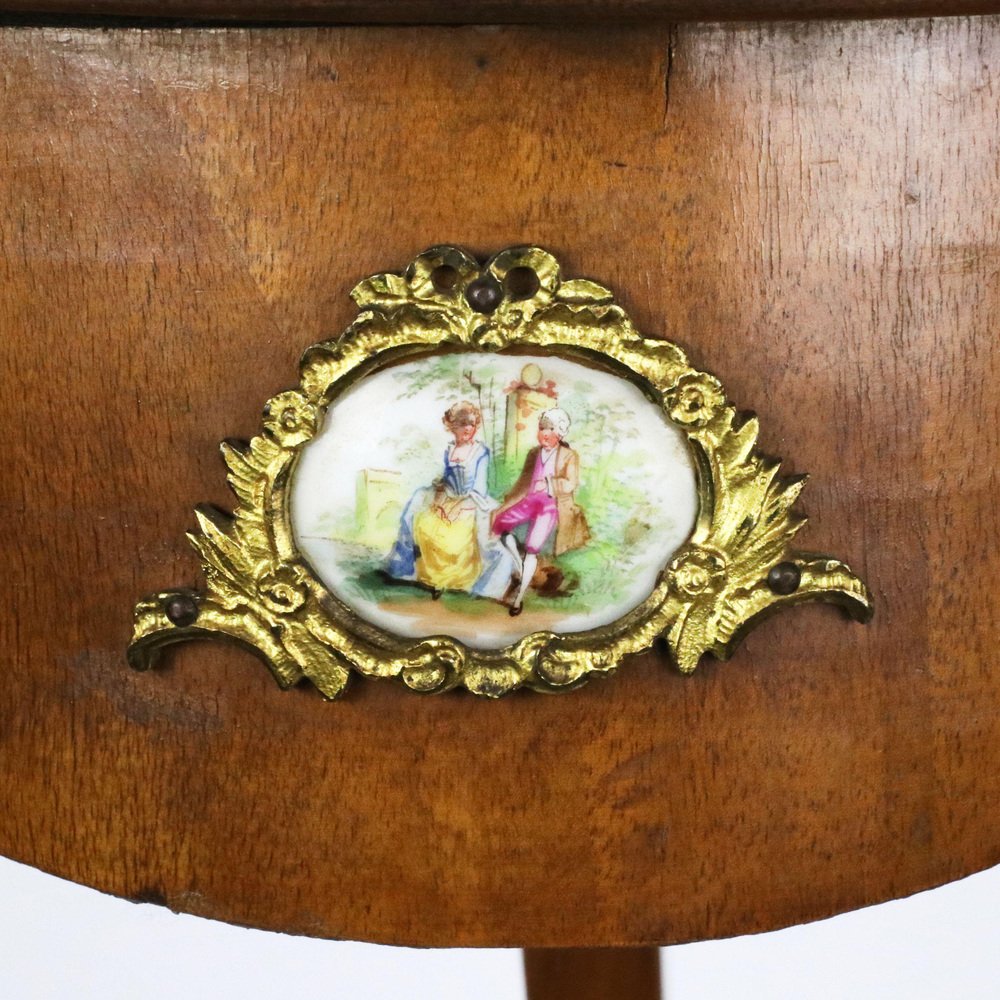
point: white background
(60, 941)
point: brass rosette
(737, 566)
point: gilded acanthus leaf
(747, 525)
(579, 290)
(382, 289)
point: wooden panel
(809, 209)
(494, 11)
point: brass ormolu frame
(736, 567)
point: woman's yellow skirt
(449, 554)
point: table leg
(592, 973)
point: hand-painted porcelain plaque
(494, 484)
(491, 479)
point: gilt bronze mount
(297, 573)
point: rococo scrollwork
(736, 566)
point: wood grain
(811, 210)
(558, 12)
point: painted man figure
(542, 498)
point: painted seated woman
(444, 538)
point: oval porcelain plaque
(431, 492)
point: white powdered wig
(557, 419)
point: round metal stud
(181, 610)
(484, 294)
(784, 578)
